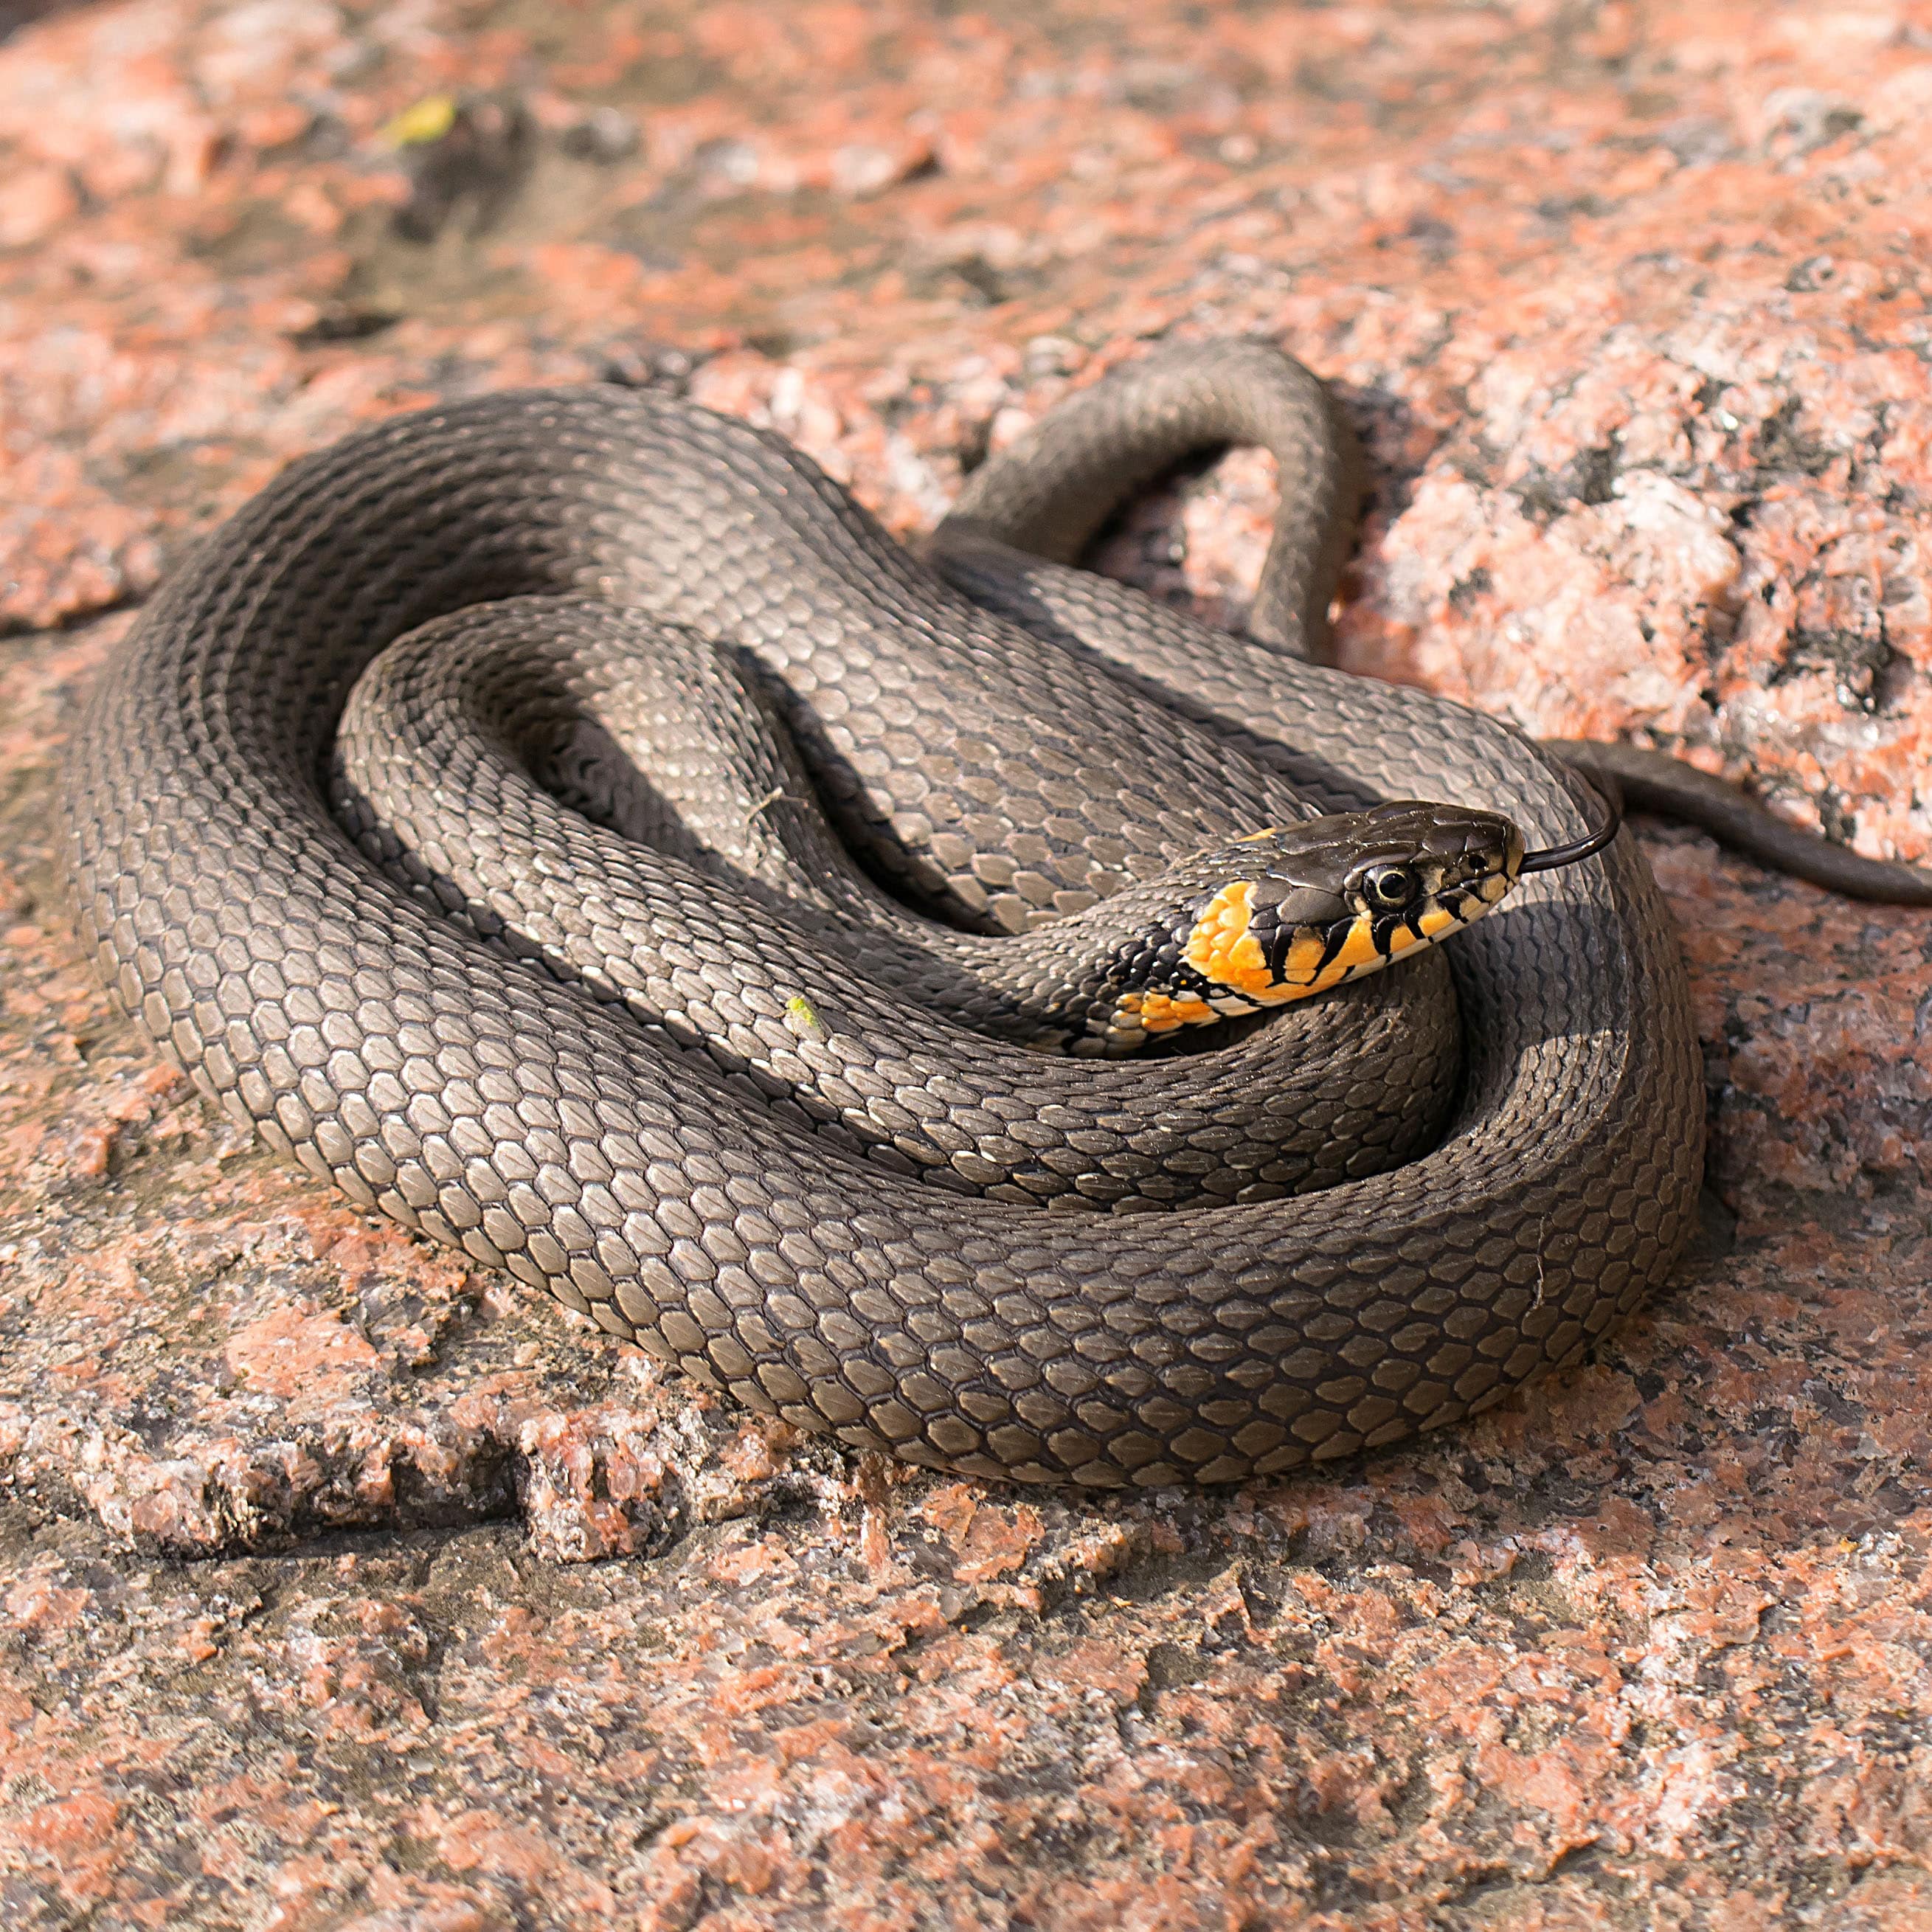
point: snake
(943, 998)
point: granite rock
(342, 1585)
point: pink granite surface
(344, 1587)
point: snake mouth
(1551, 856)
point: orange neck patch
(1221, 948)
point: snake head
(1297, 909)
(1340, 897)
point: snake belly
(469, 1096)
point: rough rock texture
(344, 1587)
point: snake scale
(669, 1085)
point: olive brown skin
(606, 780)
(1000, 736)
(839, 999)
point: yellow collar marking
(1221, 948)
(1359, 949)
(1304, 959)
(1161, 1013)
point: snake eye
(1390, 888)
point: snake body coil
(884, 1252)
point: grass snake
(671, 917)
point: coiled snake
(680, 1084)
